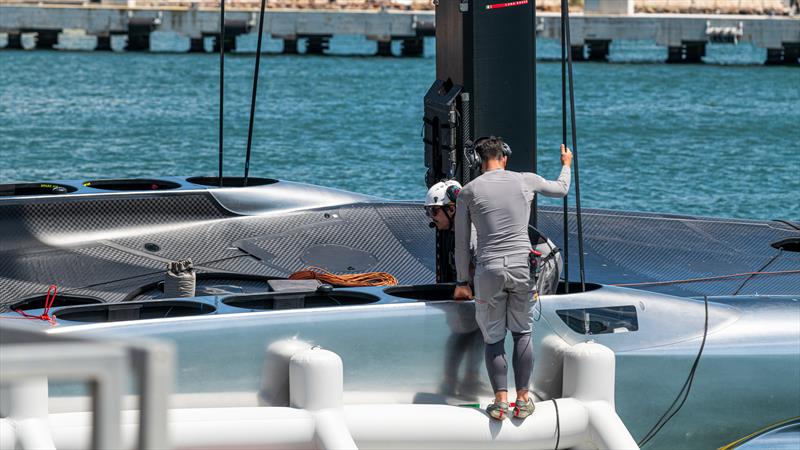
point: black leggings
(497, 365)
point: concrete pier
(592, 32)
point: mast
(484, 86)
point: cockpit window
(610, 319)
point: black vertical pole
(534, 151)
(221, 80)
(255, 89)
(575, 156)
(564, 52)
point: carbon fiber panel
(123, 243)
(622, 247)
(357, 227)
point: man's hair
(490, 148)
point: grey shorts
(503, 297)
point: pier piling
(197, 45)
(413, 46)
(14, 41)
(139, 29)
(317, 44)
(687, 52)
(598, 49)
(787, 55)
(290, 46)
(384, 48)
(45, 39)
(103, 43)
(578, 53)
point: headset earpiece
(472, 157)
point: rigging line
(714, 278)
(581, 264)
(535, 206)
(684, 392)
(564, 138)
(558, 425)
(221, 43)
(786, 222)
(761, 269)
(255, 90)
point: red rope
(48, 303)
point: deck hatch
(117, 312)
(319, 298)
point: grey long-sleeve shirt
(498, 203)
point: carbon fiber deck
(626, 248)
(115, 248)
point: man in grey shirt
(498, 203)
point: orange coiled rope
(351, 280)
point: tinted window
(612, 319)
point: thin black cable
(684, 392)
(558, 425)
(564, 137)
(255, 89)
(221, 81)
(771, 260)
(581, 264)
(535, 206)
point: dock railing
(29, 359)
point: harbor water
(712, 139)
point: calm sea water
(721, 140)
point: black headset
(474, 158)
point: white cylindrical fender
(316, 380)
(275, 377)
(26, 399)
(33, 434)
(589, 371)
(8, 436)
(26, 407)
(607, 429)
(548, 371)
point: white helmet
(443, 193)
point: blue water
(720, 140)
